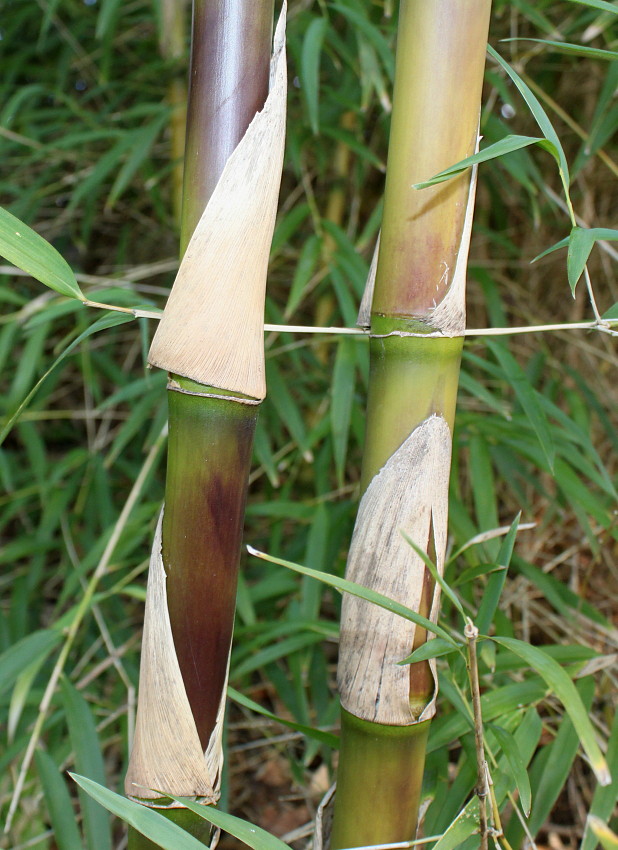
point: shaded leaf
(509, 747)
(565, 690)
(59, 805)
(310, 68)
(88, 758)
(32, 648)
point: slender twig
(593, 301)
(82, 609)
(599, 324)
(471, 634)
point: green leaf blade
(22, 246)
(146, 821)
(565, 690)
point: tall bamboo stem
(419, 290)
(210, 428)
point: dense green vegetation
(85, 133)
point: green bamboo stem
(386, 757)
(210, 439)
(413, 388)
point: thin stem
(471, 634)
(593, 302)
(600, 324)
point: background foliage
(85, 133)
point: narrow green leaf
(341, 403)
(147, 821)
(59, 805)
(562, 244)
(34, 647)
(464, 825)
(22, 246)
(476, 572)
(88, 759)
(143, 140)
(364, 26)
(317, 734)
(434, 648)
(360, 591)
(612, 313)
(509, 747)
(527, 397)
(493, 590)
(539, 113)
(253, 836)
(110, 320)
(605, 798)
(565, 690)
(601, 5)
(572, 49)
(310, 69)
(607, 837)
(581, 243)
(497, 149)
(435, 574)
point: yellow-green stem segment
(390, 759)
(414, 371)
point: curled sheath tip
(212, 326)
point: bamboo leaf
(539, 113)
(434, 648)
(108, 321)
(317, 734)
(435, 574)
(147, 821)
(32, 648)
(604, 799)
(566, 691)
(88, 758)
(22, 246)
(464, 825)
(341, 404)
(509, 747)
(601, 5)
(310, 69)
(253, 836)
(573, 49)
(581, 243)
(59, 805)
(527, 397)
(494, 587)
(362, 25)
(143, 140)
(475, 572)
(359, 591)
(497, 149)
(562, 244)
(607, 837)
